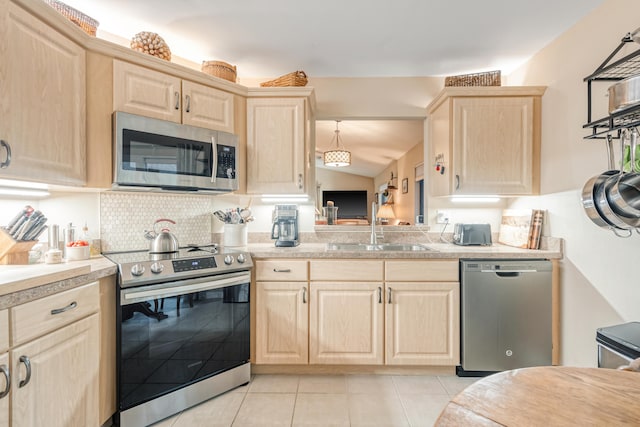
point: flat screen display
(352, 204)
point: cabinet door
(346, 323)
(422, 323)
(43, 101)
(282, 321)
(206, 107)
(139, 90)
(440, 146)
(276, 145)
(4, 401)
(493, 145)
(63, 388)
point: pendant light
(338, 157)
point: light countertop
(22, 283)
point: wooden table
(548, 396)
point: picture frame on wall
(405, 185)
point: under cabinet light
(476, 199)
(294, 198)
(23, 192)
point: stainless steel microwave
(151, 154)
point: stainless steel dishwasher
(505, 315)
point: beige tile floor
(326, 400)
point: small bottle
(86, 236)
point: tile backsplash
(124, 217)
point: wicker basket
(297, 78)
(151, 44)
(489, 78)
(87, 23)
(220, 69)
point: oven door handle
(130, 296)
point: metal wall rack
(625, 67)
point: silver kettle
(162, 242)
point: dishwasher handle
(510, 273)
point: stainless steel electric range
(182, 329)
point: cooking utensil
(624, 94)
(624, 194)
(222, 216)
(590, 193)
(161, 242)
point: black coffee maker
(285, 225)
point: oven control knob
(228, 260)
(157, 267)
(137, 270)
(242, 258)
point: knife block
(12, 251)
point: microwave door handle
(214, 167)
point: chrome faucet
(374, 238)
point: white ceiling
(349, 38)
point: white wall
(599, 284)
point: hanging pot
(162, 242)
(592, 192)
(624, 193)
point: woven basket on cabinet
(297, 78)
(87, 23)
(489, 78)
(220, 69)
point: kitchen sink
(407, 247)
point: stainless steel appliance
(618, 345)
(472, 234)
(182, 330)
(505, 315)
(285, 225)
(151, 154)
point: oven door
(174, 334)
(157, 153)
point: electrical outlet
(442, 217)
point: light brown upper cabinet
(485, 140)
(42, 103)
(139, 90)
(280, 146)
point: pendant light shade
(339, 156)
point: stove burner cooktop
(142, 267)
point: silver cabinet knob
(228, 260)
(137, 270)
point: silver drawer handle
(389, 296)
(379, 295)
(7, 148)
(304, 294)
(7, 378)
(282, 270)
(177, 97)
(188, 109)
(27, 364)
(63, 309)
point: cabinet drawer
(351, 270)
(4, 330)
(422, 271)
(282, 270)
(39, 317)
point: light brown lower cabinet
(282, 323)
(346, 323)
(4, 385)
(401, 312)
(54, 360)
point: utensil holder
(12, 251)
(235, 235)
